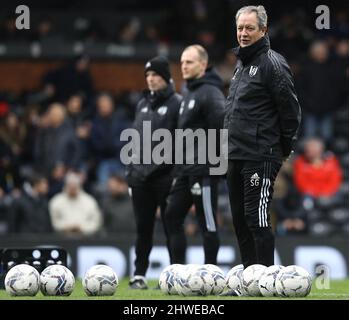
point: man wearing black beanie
(160, 66)
(150, 183)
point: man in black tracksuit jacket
(150, 183)
(202, 108)
(262, 118)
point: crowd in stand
(60, 169)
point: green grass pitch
(339, 290)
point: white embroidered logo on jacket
(196, 189)
(191, 104)
(162, 110)
(253, 71)
(254, 180)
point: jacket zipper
(237, 87)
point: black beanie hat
(161, 66)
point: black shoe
(231, 293)
(138, 282)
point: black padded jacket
(160, 110)
(202, 109)
(262, 110)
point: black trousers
(186, 191)
(250, 187)
(146, 198)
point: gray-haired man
(262, 117)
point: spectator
(150, 35)
(10, 179)
(129, 31)
(79, 119)
(73, 211)
(105, 139)
(288, 214)
(341, 24)
(226, 68)
(317, 174)
(117, 206)
(4, 106)
(29, 213)
(13, 133)
(76, 112)
(89, 30)
(8, 30)
(31, 122)
(12, 138)
(342, 50)
(45, 33)
(291, 214)
(291, 35)
(56, 146)
(320, 98)
(71, 78)
(206, 37)
(5, 204)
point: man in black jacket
(56, 148)
(29, 213)
(262, 118)
(202, 109)
(151, 183)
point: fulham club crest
(162, 110)
(191, 104)
(253, 71)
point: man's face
(313, 150)
(72, 190)
(154, 81)
(42, 187)
(105, 106)
(248, 31)
(56, 115)
(74, 104)
(116, 187)
(191, 65)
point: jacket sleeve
(281, 86)
(175, 110)
(214, 108)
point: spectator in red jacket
(317, 173)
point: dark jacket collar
(157, 97)
(247, 54)
(210, 77)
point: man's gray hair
(260, 12)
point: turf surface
(339, 290)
